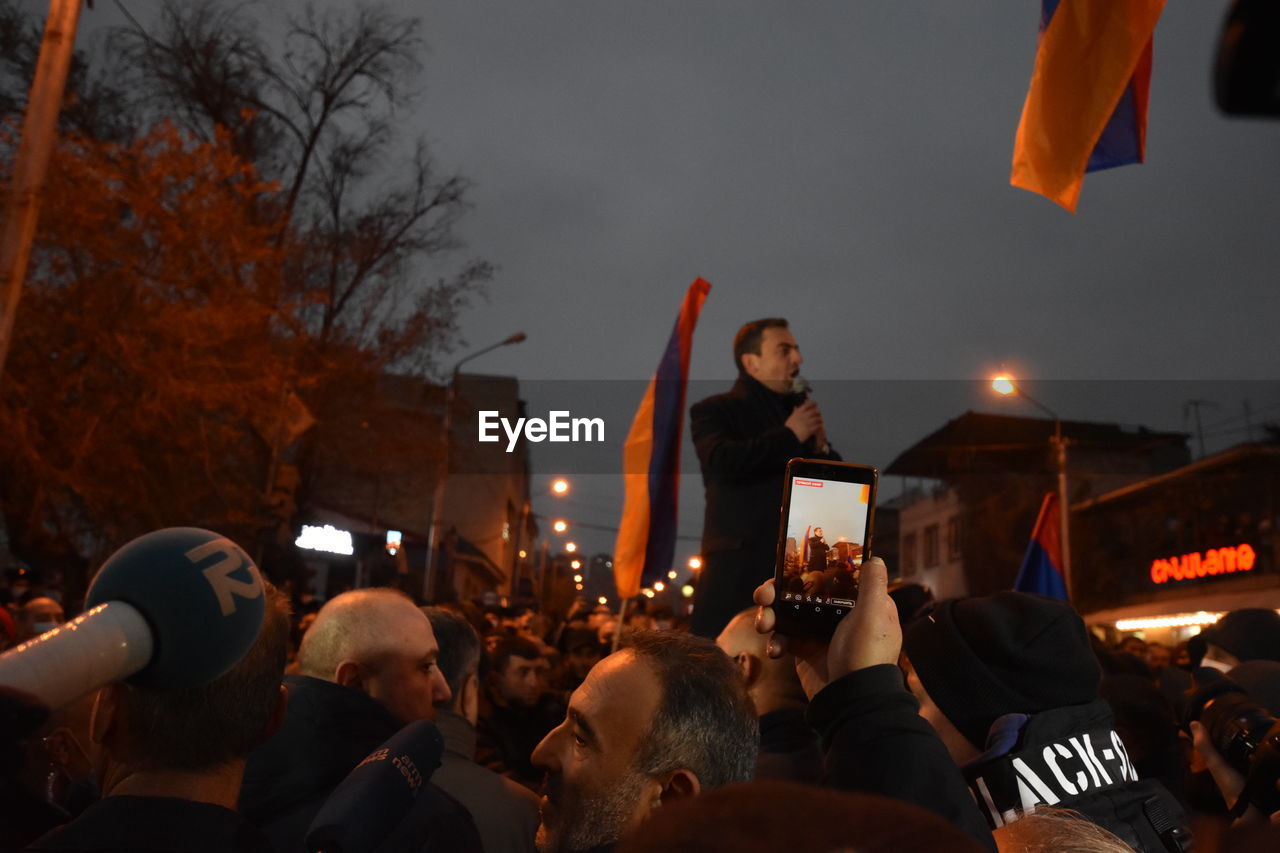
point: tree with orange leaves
(152, 340)
(226, 228)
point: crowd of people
(372, 722)
(997, 722)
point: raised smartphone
(828, 513)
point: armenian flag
(1086, 108)
(646, 541)
(1041, 570)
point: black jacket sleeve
(724, 454)
(877, 742)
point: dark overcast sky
(843, 164)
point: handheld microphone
(375, 797)
(170, 610)
(801, 386)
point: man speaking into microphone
(744, 439)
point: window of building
(931, 546)
(909, 554)
(953, 540)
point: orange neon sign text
(1215, 561)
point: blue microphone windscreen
(374, 797)
(199, 592)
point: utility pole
(1195, 406)
(39, 132)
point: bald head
(772, 682)
(377, 641)
(740, 636)
(362, 626)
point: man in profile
(789, 748)
(506, 813)
(660, 720)
(367, 668)
(744, 439)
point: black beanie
(1249, 634)
(1012, 652)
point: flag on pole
(804, 548)
(1041, 570)
(646, 543)
(1086, 108)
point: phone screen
(825, 538)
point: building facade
(1175, 550)
(967, 532)
(374, 463)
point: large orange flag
(1087, 106)
(651, 461)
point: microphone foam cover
(199, 592)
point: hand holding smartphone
(869, 636)
(828, 511)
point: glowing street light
(648, 593)
(523, 553)
(1004, 385)
(695, 563)
(671, 575)
(560, 526)
(659, 586)
(579, 586)
(687, 590)
(560, 487)
(571, 547)
(577, 579)
(603, 599)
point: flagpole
(617, 632)
(1064, 510)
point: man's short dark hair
(509, 647)
(705, 720)
(749, 336)
(459, 647)
(204, 727)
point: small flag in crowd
(1041, 570)
(1086, 108)
(646, 541)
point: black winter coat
(328, 729)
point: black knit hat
(1012, 652)
(1250, 634)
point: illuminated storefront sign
(327, 538)
(1215, 561)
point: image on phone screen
(825, 539)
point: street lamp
(571, 546)
(434, 564)
(695, 563)
(560, 486)
(560, 527)
(1006, 386)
